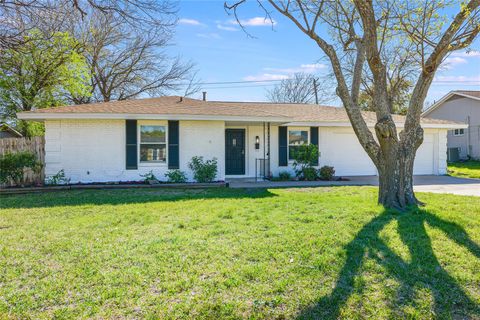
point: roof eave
(40, 116)
(372, 125)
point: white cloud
(451, 62)
(465, 54)
(266, 76)
(472, 79)
(307, 68)
(255, 22)
(226, 28)
(190, 22)
(211, 35)
(285, 73)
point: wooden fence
(35, 145)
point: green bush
(326, 173)
(12, 166)
(58, 178)
(149, 176)
(304, 158)
(176, 176)
(284, 176)
(203, 171)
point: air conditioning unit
(453, 154)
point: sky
(222, 52)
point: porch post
(268, 146)
(264, 151)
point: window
(458, 132)
(153, 144)
(296, 138)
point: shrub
(12, 166)
(149, 177)
(203, 171)
(58, 178)
(304, 158)
(326, 173)
(284, 176)
(176, 176)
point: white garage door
(424, 159)
(349, 158)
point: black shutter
(131, 145)
(173, 145)
(314, 140)
(282, 147)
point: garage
(424, 159)
(349, 158)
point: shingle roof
(173, 105)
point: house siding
(94, 150)
(459, 109)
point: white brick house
(118, 141)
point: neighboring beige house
(460, 106)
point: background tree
(125, 62)
(20, 16)
(367, 30)
(300, 88)
(40, 74)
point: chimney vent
(204, 95)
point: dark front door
(235, 151)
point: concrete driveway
(435, 184)
(447, 184)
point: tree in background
(365, 32)
(125, 62)
(20, 16)
(40, 73)
(300, 88)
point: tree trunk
(395, 165)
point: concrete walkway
(435, 184)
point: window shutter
(314, 140)
(131, 145)
(282, 147)
(173, 145)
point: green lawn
(313, 253)
(468, 169)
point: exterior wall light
(257, 142)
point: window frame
(140, 143)
(458, 132)
(307, 129)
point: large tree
(41, 73)
(20, 16)
(367, 29)
(126, 62)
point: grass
(467, 169)
(311, 253)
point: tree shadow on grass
(124, 196)
(423, 271)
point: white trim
(307, 129)
(444, 99)
(136, 116)
(141, 163)
(459, 134)
(281, 120)
(372, 125)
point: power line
(466, 82)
